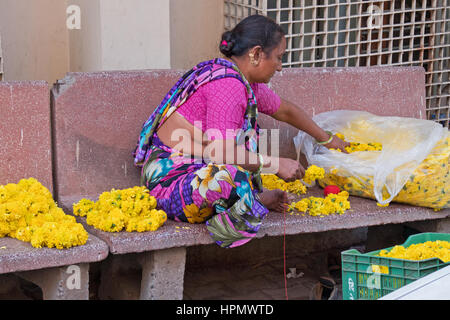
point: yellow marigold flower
(271, 182)
(421, 251)
(356, 146)
(131, 209)
(29, 213)
(313, 173)
(382, 205)
(340, 136)
(315, 206)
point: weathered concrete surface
(363, 213)
(25, 136)
(154, 275)
(97, 121)
(61, 283)
(17, 256)
(163, 274)
(439, 226)
(120, 278)
(382, 90)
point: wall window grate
(347, 33)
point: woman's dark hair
(255, 30)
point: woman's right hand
(290, 170)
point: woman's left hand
(337, 143)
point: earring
(252, 59)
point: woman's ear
(255, 55)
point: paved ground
(255, 282)
(252, 282)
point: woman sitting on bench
(221, 99)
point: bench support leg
(61, 283)
(163, 274)
(439, 226)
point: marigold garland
(271, 181)
(315, 206)
(29, 213)
(131, 209)
(313, 173)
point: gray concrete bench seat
(61, 274)
(25, 151)
(363, 213)
(98, 117)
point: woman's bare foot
(275, 200)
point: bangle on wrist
(261, 163)
(329, 140)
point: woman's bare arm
(297, 117)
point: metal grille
(346, 33)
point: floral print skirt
(193, 191)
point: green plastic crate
(360, 282)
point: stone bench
(25, 151)
(98, 117)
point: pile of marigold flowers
(132, 209)
(421, 251)
(356, 146)
(315, 206)
(312, 173)
(29, 213)
(271, 182)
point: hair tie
(224, 43)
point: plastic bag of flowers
(409, 162)
(29, 213)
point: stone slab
(17, 256)
(363, 213)
(98, 115)
(97, 120)
(163, 274)
(61, 283)
(25, 135)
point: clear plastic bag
(412, 167)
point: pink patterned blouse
(221, 105)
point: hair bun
(227, 44)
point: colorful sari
(224, 196)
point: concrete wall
(34, 39)
(85, 47)
(135, 34)
(196, 30)
(114, 35)
(121, 35)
